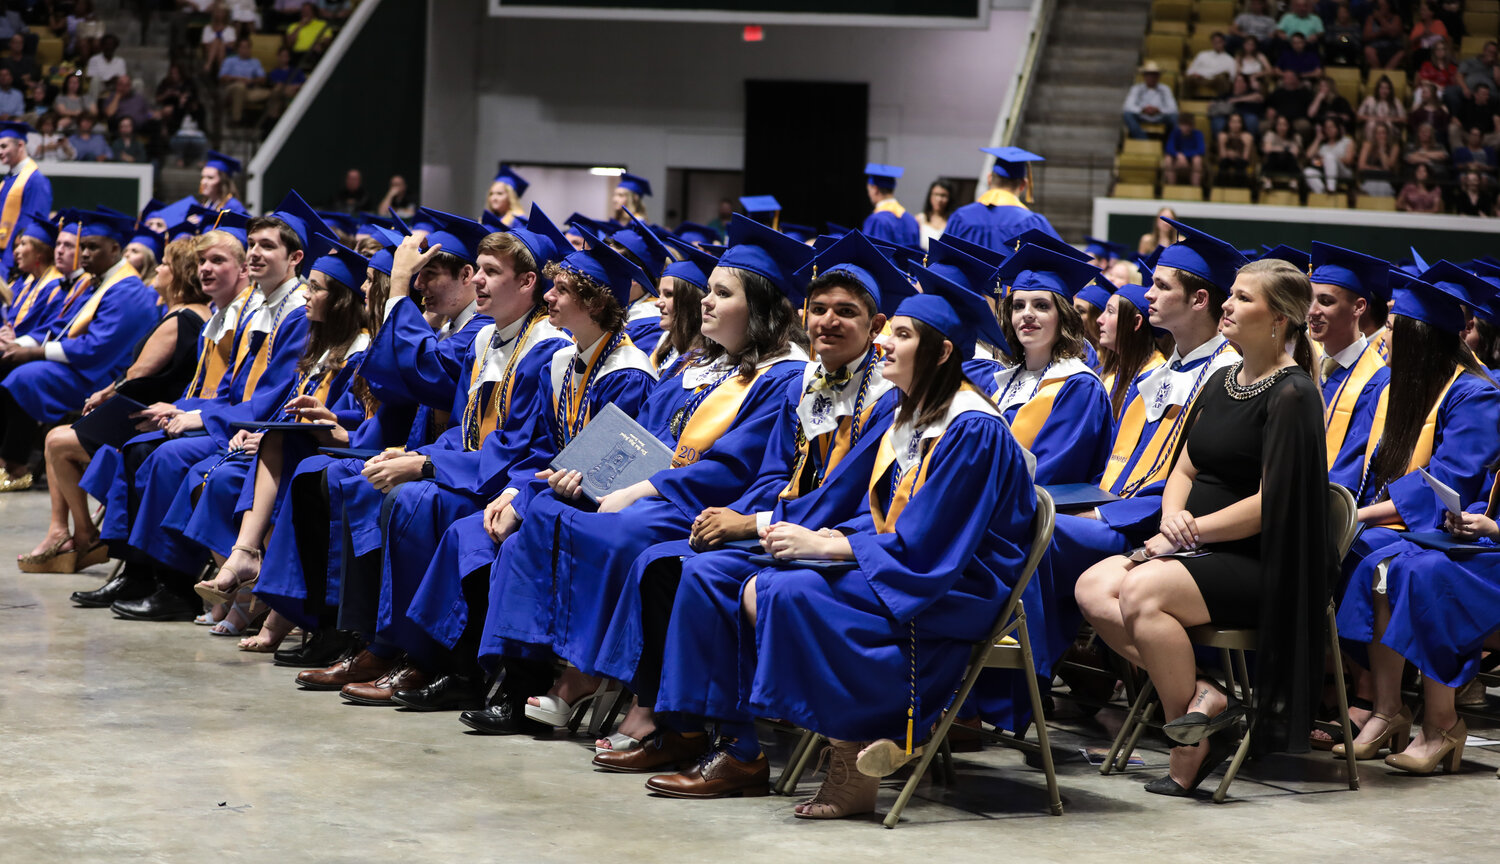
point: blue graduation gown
(408, 362)
(36, 197)
(438, 604)
(1347, 465)
(565, 601)
(885, 225)
(642, 324)
(48, 298)
(49, 390)
(1072, 444)
(990, 226)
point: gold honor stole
(1421, 452)
(214, 358)
(85, 316)
(713, 418)
(910, 482)
(263, 356)
(1341, 408)
(493, 418)
(1151, 467)
(35, 292)
(75, 292)
(1151, 363)
(1001, 198)
(832, 448)
(892, 206)
(580, 387)
(10, 213)
(1035, 411)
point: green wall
(87, 193)
(1390, 243)
(367, 116)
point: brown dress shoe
(717, 775)
(658, 752)
(354, 669)
(403, 676)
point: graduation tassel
(911, 706)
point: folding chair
(1007, 647)
(1232, 644)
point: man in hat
(890, 222)
(1001, 212)
(25, 190)
(1150, 101)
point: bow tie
(1176, 366)
(579, 367)
(825, 380)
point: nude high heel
(1396, 736)
(1449, 755)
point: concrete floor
(125, 741)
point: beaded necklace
(856, 424)
(570, 409)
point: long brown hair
(770, 329)
(687, 320)
(934, 381)
(1134, 345)
(344, 316)
(1070, 334)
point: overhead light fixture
(606, 172)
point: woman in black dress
(1243, 540)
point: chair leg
(1234, 767)
(950, 776)
(813, 739)
(1132, 716)
(793, 762)
(1338, 682)
(1226, 661)
(1244, 673)
(1039, 719)
(930, 752)
(1135, 734)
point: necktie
(496, 340)
(1329, 366)
(1176, 366)
(579, 367)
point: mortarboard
(854, 255)
(231, 223)
(1097, 292)
(15, 130)
(155, 205)
(338, 262)
(508, 176)
(226, 165)
(1103, 249)
(766, 252)
(760, 206)
(1036, 268)
(636, 183)
(113, 226)
(1293, 256)
(1420, 300)
(300, 217)
(1473, 291)
(882, 176)
(803, 233)
(695, 266)
(1011, 162)
(342, 222)
(156, 241)
(692, 232)
(962, 316)
(605, 266)
(1365, 275)
(383, 260)
(637, 237)
(837, 230)
(1202, 255)
(963, 268)
(541, 237)
(181, 230)
(40, 228)
(457, 235)
(983, 253)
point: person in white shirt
(1149, 102)
(1209, 74)
(104, 66)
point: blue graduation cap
(607, 267)
(177, 211)
(766, 252)
(1202, 255)
(153, 206)
(901, 256)
(1417, 260)
(420, 221)
(856, 257)
(1038, 237)
(508, 176)
(1136, 294)
(491, 221)
(1036, 268)
(964, 317)
(836, 230)
(759, 206)
(109, 225)
(595, 226)
(156, 241)
(1365, 275)
(369, 220)
(38, 227)
(1487, 305)
(542, 238)
(15, 130)
(104, 208)
(1471, 290)
(196, 214)
(1291, 255)
(695, 265)
(1097, 292)
(803, 233)
(1011, 162)
(983, 253)
(384, 260)
(636, 183)
(963, 268)
(882, 176)
(1422, 301)
(232, 223)
(338, 262)
(692, 232)
(343, 222)
(1103, 249)
(226, 165)
(458, 236)
(181, 230)
(300, 217)
(643, 244)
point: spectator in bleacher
(1149, 101)
(1161, 234)
(1342, 40)
(1420, 194)
(69, 104)
(1209, 74)
(1473, 153)
(1298, 20)
(11, 23)
(1280, 155)
(398, 198)
(1233, 169)
(1291, 100)
(283, 13)
(1439, 68)
(48, 144)
(1183, 152)
(311, 59)
(124, 101)
(105, 66)
(1472, 199)
(1328, 104)
(22, 66)
(1235, 130)
(1302, 58)
(1255, 22)
(242, 80)
(935, 211)
(1425, 149)
(1331, 158)
(1426, 32)
(1382, 38)
(177, 99)
(218, 35)
(12, 101)
(127, 146)
(351, 196)
(1482, 113)
(1251, 63)
(1379, 163)
(285, 80)
(88, 147)
(38, 101)
(1484, 68)
(305, 32)
(1427, 110)
(1381, 107)
(1244, 101)
(335, 10)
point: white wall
(654, 96)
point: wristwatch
(427, 470)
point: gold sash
(832, 448)
(713, 418)
(1340, 409)
(580, 387)
(1421, 452)
(1001, 198)
(10, 213)
(263, 356)
(892, 206)
(85, 316)
(37, 283)
(1031, 415)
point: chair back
(1041, 538)
(1343, 518)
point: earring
(1273, 333)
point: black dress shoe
(119, 587)
(162, 605)
(324, 647)
(1220, 747)
(447, 693)
(505, 717)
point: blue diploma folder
(612, 452)
(1078, 496)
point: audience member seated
(1379, 163)
(1280, 156)
(22, 66)
(1161, 234)
(1343, 40)
(1291, 100)
(88, 147)
(1255, 22)
(1331, 158)
(285, 80)
(177, 100)
(1383, 38)
(1425, 149)
(69, 103)
(105, 66)
(1420, 194)
(218, 36)
(1233, 169)
(1183, 152)
(1209, 74)
(124, 101)
(1251, 63)
(1329, 104)
(1472, 72)
(48, 144)
(1427, 32)
(1382, 107)
(304, 33)
(1482, 112)
(1471, 198)
(1301, 58)
(1473, 153)
(1440, 68)
(1427, 109)
(242, 80)
(1149, 101)
(127, 146)
(12, 100)
(1244, 101)
(1298, 20)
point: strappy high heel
(251, 611)
(845, 791)
(207, 591)
(1449, 755)
(1396, 736)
